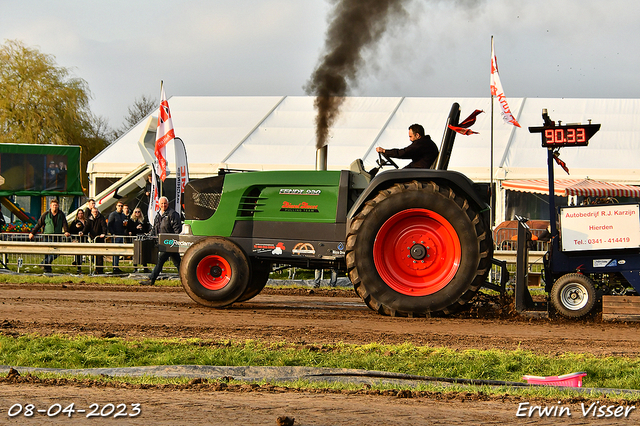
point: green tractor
(413, 241)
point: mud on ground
(298, 316)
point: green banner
(38, 170)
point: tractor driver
(422, 151)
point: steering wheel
(384, 159)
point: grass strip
(75, 279)
(90, 352)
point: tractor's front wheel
(215, 272)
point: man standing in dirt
(51, 222)
(167, 221)
(423, 152)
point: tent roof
(273, 132)
(579, 187)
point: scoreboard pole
(552, 195)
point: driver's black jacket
(422, 152)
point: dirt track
(324, 316)
(320, 316)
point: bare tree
(100, 128)
(140, 109)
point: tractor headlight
(186, 229)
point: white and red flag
(496, 90)
(164, 134)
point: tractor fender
(478, 194)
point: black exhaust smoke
(354, 26)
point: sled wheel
(418, 248)
(259, 276)
(214, 272)
(573, 295)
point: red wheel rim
(417, 252)
(213, 272)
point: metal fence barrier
(506, 246)
(72, 255)
(19, 254)
(504, 239)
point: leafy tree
(41, 102)
(140, 109)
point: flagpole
(161, 182)
(493, 195)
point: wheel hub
(215, 271)
(417, 252)
(574, 296)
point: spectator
(91, 203)
(61, 177)
(117, 228)
(138, 225)
(52, 173)
(127, 216)
(319, 275)
(75, 228)
(167, 221)
(147, 186)
(96, 229)
(51, 222)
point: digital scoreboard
(567, 135)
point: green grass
(90, 352)
(75, 279)
(108, 279)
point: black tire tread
(233, 254)
(259, 277)
(481, 230)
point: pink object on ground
(571, 379)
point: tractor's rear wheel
(418, 248)
(215, 272)
(259, 276)
(573, 295)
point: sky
(440, 48)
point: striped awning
(567, 187)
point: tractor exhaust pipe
(321, 158)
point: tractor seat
(358, 167)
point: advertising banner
(182, 172)
(601, 227)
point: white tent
(267, 133)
